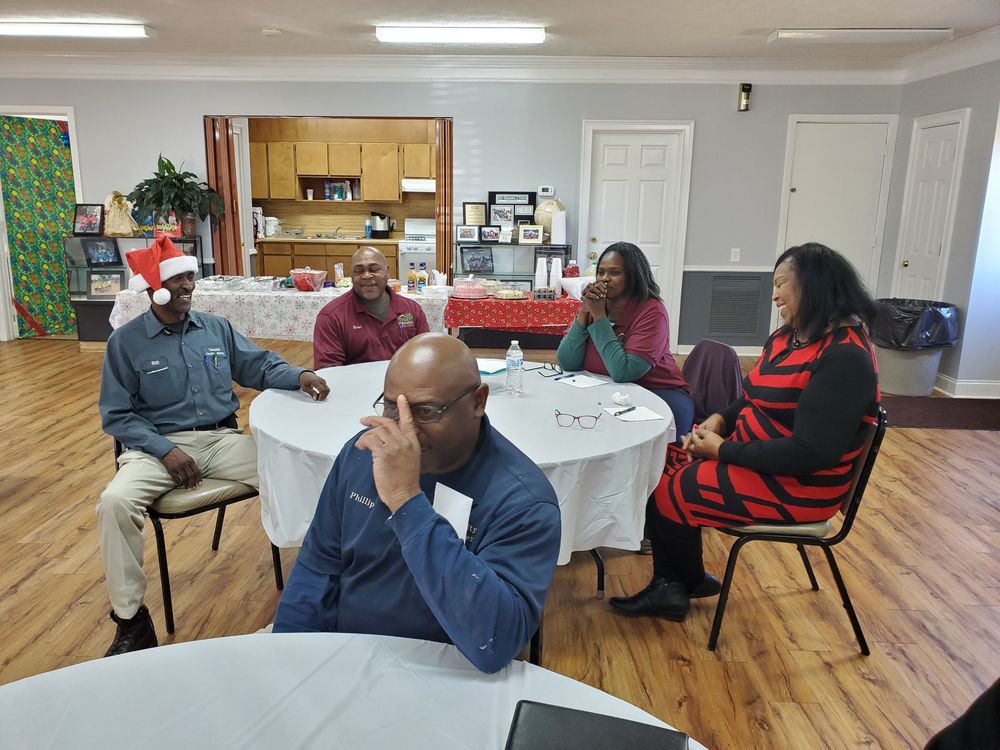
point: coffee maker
(382, 226)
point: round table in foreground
(303, 690)
(602, 476)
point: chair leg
(599, 562)
(161, 554)
(727, 582)
(218, 528)
(846, 599)
(809, 569)
(279, 581)
(535, 648)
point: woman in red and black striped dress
(782, 453)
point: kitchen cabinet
(380, 172)
(258, 170)
(418, 160)
(281, 170)
(278, 258)
(310, 159)
(344, 159)
(274, 259)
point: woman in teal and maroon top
(784, 451)
(622, 330)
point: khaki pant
(141, 479)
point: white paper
(454, 507)
(491, 366)
(580, 381)
(638, 414)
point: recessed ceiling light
(72, 29)
(461, 34)
(858, 36)
(271, 32)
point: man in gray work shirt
(167, 396)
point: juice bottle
(411, 279)
(422, 278)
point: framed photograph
(477, 259)
(529, 234)
(474, 214)
(502, 215)
(524, 210)
(101, 251)
(105, 283)
(489, 234)
(465, 233)
(512, 197)
(88, 219)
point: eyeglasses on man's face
(422, 413)
(586, 421)
(547, 370)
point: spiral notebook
(542, 726)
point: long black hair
(830, 290)
(639, 281)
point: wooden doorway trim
(227, 248)
(443, 193)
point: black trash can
(911, 334)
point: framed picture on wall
(529, 234)
(101, 251)
(502, 215)
(474, 214)
(464, 233)
(524, 210)
(105, 283)
(88, 219)
(489, 234)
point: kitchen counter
(331, 241)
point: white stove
(419, 245)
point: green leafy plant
(181, 192)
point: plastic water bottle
(515, 370)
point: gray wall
(512, 136)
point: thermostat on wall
(546, 191)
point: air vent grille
(736, 302)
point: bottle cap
(513, 342)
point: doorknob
(593, 238)
(906, 264)
(793, 190)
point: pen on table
(624, 411)
(563, 377)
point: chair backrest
(862, 471)
(712, 371)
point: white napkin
(454, 507)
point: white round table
(602, 476)
(302, 690)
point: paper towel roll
(541, 274)
(555, 274)
(558, 234)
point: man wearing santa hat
(167, 396)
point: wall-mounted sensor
(743, 103)
(546, 191)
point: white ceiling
(701, 29)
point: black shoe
(134, 634)
(709, 586)
(662, 598)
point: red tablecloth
(530, 315)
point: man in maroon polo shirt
(369, 323)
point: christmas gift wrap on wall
(36, 172)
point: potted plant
(181, 192)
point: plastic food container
(469, 288)
(308, 280)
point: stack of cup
(541, 274)
(555, 275)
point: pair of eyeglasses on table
(586, 421)
(547, 370)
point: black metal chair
(211, 494)
(814, 534)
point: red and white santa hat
(153, 265)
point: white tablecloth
(315, 690)
(286, 314)
(602, 477)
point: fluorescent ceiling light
(461, 34)
(858, 36)
(72, 29)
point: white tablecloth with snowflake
(266, 315)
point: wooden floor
(923, 565)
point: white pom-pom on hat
(161, 296)
(155, 264)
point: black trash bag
(914, 324)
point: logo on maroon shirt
(405, 321)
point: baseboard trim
(743, 351)
(967, 388)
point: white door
(928, 206)
(837, 188)
(638, 192)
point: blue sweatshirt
(362, 571)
